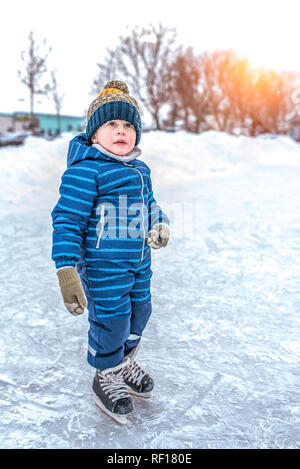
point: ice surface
(223, 340)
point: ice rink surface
(223, 341)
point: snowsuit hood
(80, 149)
(106, 203)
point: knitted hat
(114, 103)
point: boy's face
(116, 136)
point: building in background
(45, 124)
(48, 124)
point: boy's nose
(120, 130)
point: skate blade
(144, 395)
(121, 419)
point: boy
(104, 224)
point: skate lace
(113, 384)
(134, 373)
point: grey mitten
(158, 237)
(72, 291)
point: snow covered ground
(223, 341)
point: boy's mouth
(121, 142)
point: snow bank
(30, 174)
(182, 156)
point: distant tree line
(196, 92)
(181, 89)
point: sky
(79, 33)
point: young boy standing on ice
(104, 224)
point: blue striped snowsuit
(98, 230)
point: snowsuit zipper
(102, 223)
(143, 213)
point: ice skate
(139, 383)
(111, 394)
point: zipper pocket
(102, 223)
(142, 211)
(143, 206)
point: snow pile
(183, 157)
(30, 174)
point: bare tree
(188, 102)
(292, 80)
(239, 86)
(270, 101)
(216, 68)
(34, 69)
(57, 98)
(257, 98)
(201, 85)
(143, 59)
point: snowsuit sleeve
(70, 216)
(156, 215)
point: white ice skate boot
(111, 393)
(137, 380)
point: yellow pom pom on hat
(115, 86)
(114, 102)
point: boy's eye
(115, 124)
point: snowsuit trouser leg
(119, 306)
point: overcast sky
(80, 31)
